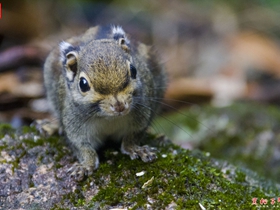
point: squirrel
(102, 86)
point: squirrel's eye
(84, 85)
(133, 71)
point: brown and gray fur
(116, 104)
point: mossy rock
(33, 175)
(245, 134)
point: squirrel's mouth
(111, 116)
(119, 108)
(114, 112)
(121, 113)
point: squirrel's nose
(119, 107)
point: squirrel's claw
(146, 153)
(79, 171)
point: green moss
(28, 129)
(56, 207)
(30, 138)
(76, 198)
(188, 178)
(245, 134)
(6, 129)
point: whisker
(170, 99)
(88, 115)
(172, 122)
(154, 126)
(178, 111)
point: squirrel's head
(102, 72)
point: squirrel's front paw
(88, 163)
(146, 153)
(79, 171)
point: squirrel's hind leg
(47, 127)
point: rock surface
(33, 175)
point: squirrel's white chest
(102, 128)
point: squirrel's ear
(69, 57)
(120, 36)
